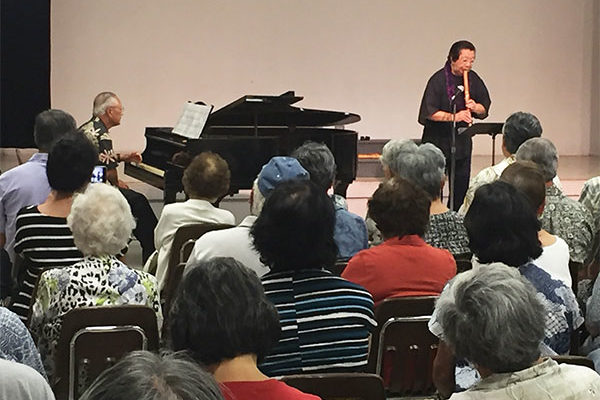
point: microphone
(459, 90)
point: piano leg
(172, 185)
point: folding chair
(339, 386)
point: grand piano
(247, 133)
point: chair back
(339, 386)
(402, 347)
(183, 236)
(95, 338)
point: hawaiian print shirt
(590, 197)
(571, 221)
(95, 281)
(95, 130)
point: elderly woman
(205, 181)
(102, 223)
(229, 334)
(148, 376)
(403, 265)
(43, 239)
(493, 317)
(294, 236)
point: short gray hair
(51, 125)
(318, 160)
(518, 128)
(424, 165)
(393, 149)
(101, 220)
(102, 101)
(147, 376)
(542, 152)
(492, 317)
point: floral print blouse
(94, 281)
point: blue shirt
(16, 343)
(350, 232)
(21, 186)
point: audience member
(16, 343)
(43, 239)
(562, 216)
(425, 166)
(503, 229)
(27, 184)
(403, 265)
(526, 177)
(494, 318)
(518, 128)
(350, 231)
(590, 197)
(147, 376)
(106, 114)
(236, 242)
(205, 181)
(326, 320)
(229, 334)
(21, 382)
(101, 222)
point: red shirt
(270, 389)
(405, 266)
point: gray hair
(518, 128)
(143, 375)
(102, 101)
(424, 165)
(393, 149)
(258, 200)
(318, 160)
(51, 125)
(101, 220)
(492, 317)
(542, 152)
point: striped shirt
(44, 242)
(325, 321)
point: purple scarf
(452, 81)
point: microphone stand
(452, 154)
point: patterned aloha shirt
(16, 343)
(95, 130)
(571, 221)
(590, 197)
(447, 231)
(95, 281)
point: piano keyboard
(151, 169)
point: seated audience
(526, 177)
(518, 128)
(43, 239)
(148, 376)
(27, 184)
(425, 166)
(590, 197)
(326, 320)
(236, 242)
(494, 318)
(16, 343)
(101, 222)
(229, 334)
(21, 382)
(205, 181)
(403, 265)
(350, 232)
(562, 216)
(503, 229)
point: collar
(553, 190)
(248, 221)
(41, 158)
(501, 381)
(406, 240)
(501, 166)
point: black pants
(5, 274)
(461, 180)
(145, 220)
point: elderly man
(27, 184)
(518, 128)
(236, 242)
(492, 317)
(107, 113)
(590, 197)
(350, 233)
(562, 216)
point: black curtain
(24, 68)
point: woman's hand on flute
(464, 116)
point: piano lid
(276, 111)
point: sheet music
(192, 120)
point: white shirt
(233, 242)
(555, 261)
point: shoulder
(21, 381)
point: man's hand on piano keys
(133, 157)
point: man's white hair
(102, 101)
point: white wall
(368, 57)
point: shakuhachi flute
(466, 83)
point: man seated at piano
(107, 113)
(205, 180)
(350, 232)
